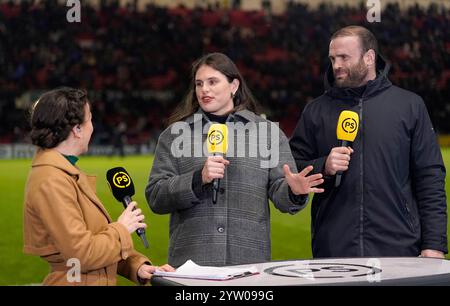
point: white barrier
(26, 151)
(334, 271)
(16, 151)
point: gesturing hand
(300, 183)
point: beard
(355, 77)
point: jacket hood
(380, 83)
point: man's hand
(302, 184)
(338, 160)
(432, 253)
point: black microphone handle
(140, 231)
(126, 201)
(216, 185)
(344, 143)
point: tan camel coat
(66, 224)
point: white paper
(191, 270)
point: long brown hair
(243, 98)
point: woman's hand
(145, 272)
(131, 219)
(214, 168)
(300, 183)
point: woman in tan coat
(64, 221)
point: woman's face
(214, 92)
(86, 128)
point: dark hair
(366, 38)
(54, 114)
(243, 98)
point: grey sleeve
(279, 191)
(168, 190)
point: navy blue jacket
(391, 201)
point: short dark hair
(366, 38)
(54, 114)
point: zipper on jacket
(361, 207)
(409, 217)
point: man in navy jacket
(391, 201)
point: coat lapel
(86, 183)
(87, 186)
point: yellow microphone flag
(217, 138)
(347, 126)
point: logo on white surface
(321, 270)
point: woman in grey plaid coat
(256, 168)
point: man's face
(349, 67)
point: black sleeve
(304, 150)
(429, 182)
(303, 146)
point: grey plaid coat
(235, 230)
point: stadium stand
(136, 64)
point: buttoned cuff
(125, 240)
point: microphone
(217, 145)
(122, 188)
(347, 128)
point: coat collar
(51, 157)
(87, 184)
(239, 115)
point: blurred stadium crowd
(136, 64)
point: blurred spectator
(119, 139)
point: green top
(71, 158)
